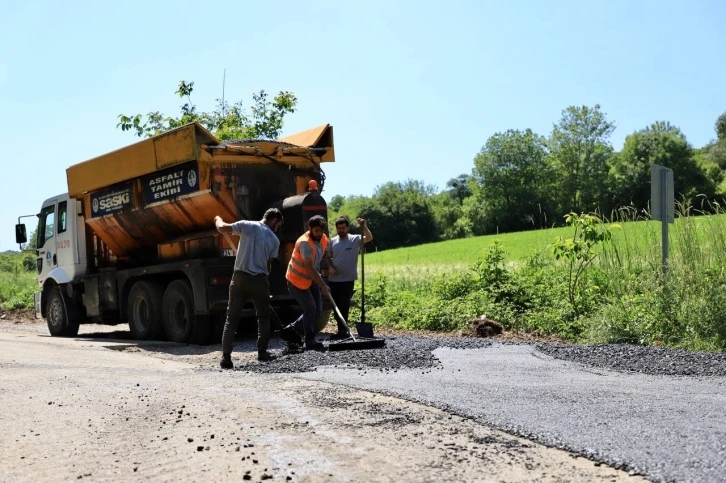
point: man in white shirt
(343, 250)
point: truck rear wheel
(181, 324)
(144, 311)
(59, 323)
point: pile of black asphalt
(399, 352)
(639, 359)
(408, 352)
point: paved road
(103, 409)
(665, 427)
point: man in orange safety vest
(305, 283)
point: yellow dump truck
(133, 240)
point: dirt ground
(101, 407)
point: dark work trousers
(312, 305)
(342, 292)
(243, 287)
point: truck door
(47, 259)
(66, 255)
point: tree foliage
(227, 121)
(512, 181)
(403, 212)
(721, 127)
(580, 151)
(664, 144)
(522, 180)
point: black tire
(57, 318)
(72, 327)
(181, 324)
(144, 311)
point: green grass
(18, 280)
(16, 290)
(407, 267)
(632, 241)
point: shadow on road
(245, 340)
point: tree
(447, 210)
(402, 214)
(32, 243)
(459, 188)
(580, 151)
(336, 203)
(716, 150)
(664, 144)
(716, 153)
(512, 183)
(447, 207)
(225, 122)
(721, 127)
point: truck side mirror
(21, 235)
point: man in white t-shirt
(343, 272)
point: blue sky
(413, 88)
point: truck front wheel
(144, 311)
(181, 324)
(59, 324)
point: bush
(16, 290)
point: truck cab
(61, 244)
(60, 259)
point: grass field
(633, 241)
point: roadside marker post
(662, 203)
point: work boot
(226, 362)
(264, 356)
(313, 345)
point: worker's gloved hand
(331, 272)
(325, 290)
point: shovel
(365, 329)
(361, 342)
(365, 339)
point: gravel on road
(644, 360)
(399, 352)
(418, 353)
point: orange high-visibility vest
(297, 274)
